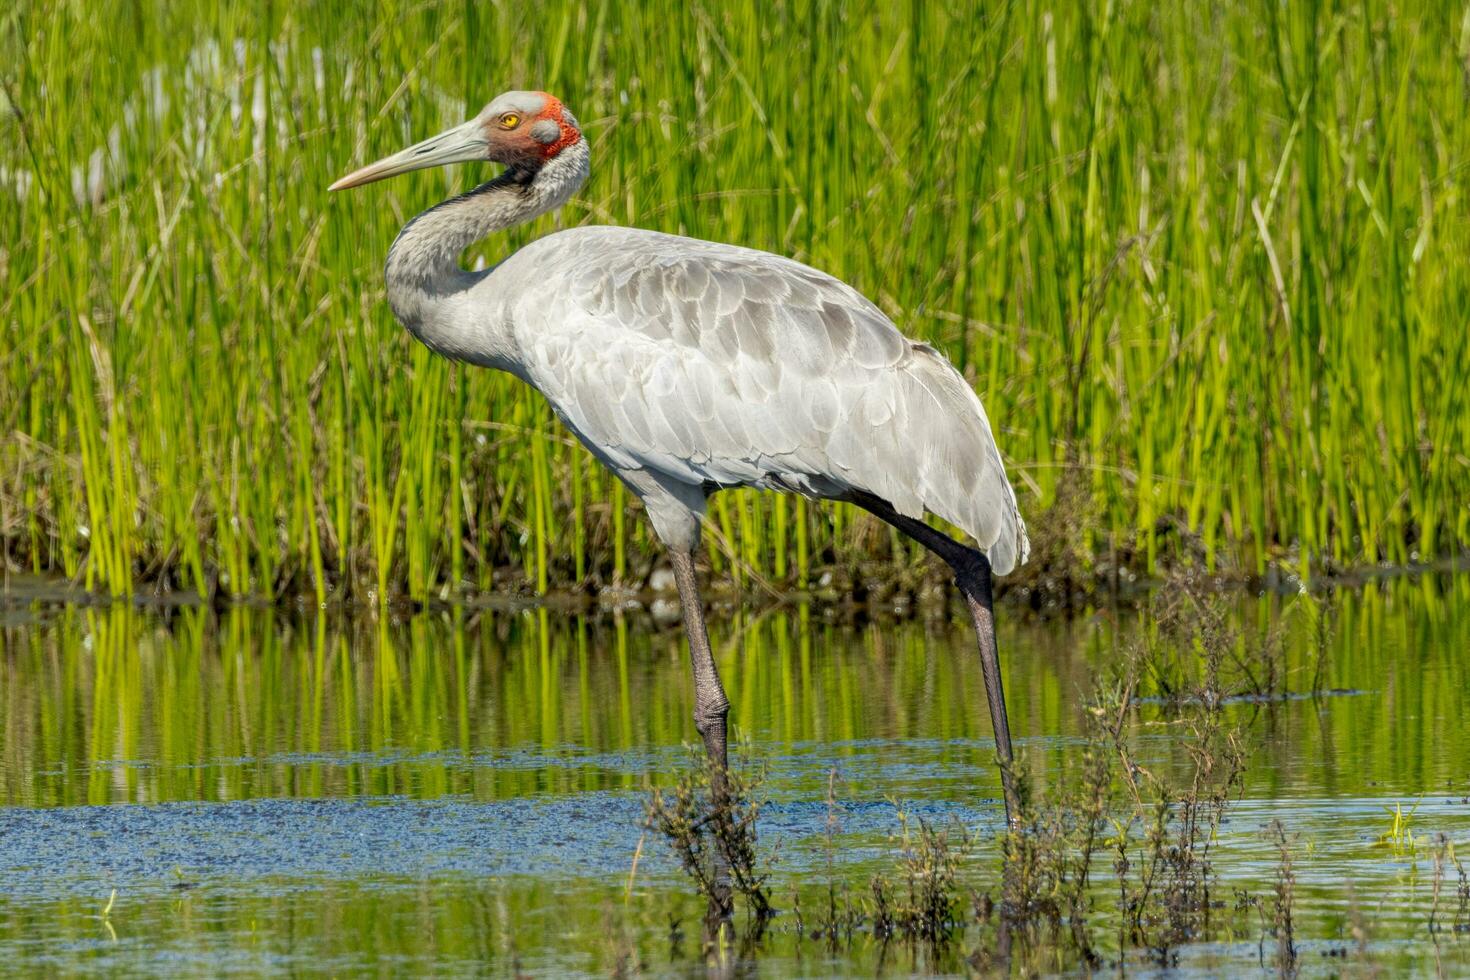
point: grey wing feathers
(712, 363)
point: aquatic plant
(928, 861)
(1159, 831)
(1282, 925)
(708, 821)
(1399, 837)
(1444, 857)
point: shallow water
(463, 793)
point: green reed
(1204, 261)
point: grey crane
(688, 366)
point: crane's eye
(510, 120)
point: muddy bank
(870, 591)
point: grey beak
(462, 144)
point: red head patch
(557, 113)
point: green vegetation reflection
(116, 704)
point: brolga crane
(689, 366)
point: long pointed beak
(461, 144)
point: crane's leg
(975, 582)
(972, 575)
(674, 510)
(710, 704)
(710, 710)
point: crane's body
(689, 366)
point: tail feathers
(1011, 549)
(962, 477)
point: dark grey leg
(710, 710)
(972, 575)
(974, 582)
(710, 704)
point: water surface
(463, 792)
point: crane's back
(711, 364)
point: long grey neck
(427, 287)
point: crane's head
(523, 130)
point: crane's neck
(427, 287)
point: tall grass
(1205, 261)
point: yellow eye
(510, 120)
